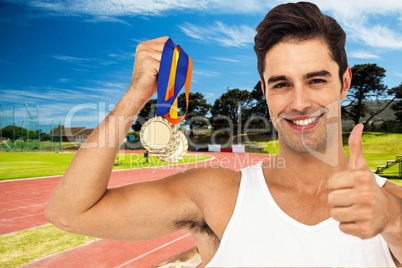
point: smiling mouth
(305, 122)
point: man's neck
(308, 172)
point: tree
(146, 113)
(8, 132)
(397, 107)
(366, 84)
(259, 108)
(20, 133)
(228, 109)
(196, 111)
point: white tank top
(260, 234)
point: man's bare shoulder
(206, 180)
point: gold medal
(159, 136)
(177, 154)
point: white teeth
(305, 122)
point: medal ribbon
(174, 73)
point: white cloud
(359, 17)
(363, 55)
(375, 35)
(347, 8)
(56, 103)
(64, 80)
(206, 73)
(97, 62)
(225, 59)
(123, 55)
(157, 7)
(35, 96)
(138, 40)
(113, 8)
(106, 90)
(225, 35)
(116, 7)
(78, 61)
(97, 19)
(113, 85)
(369, 21)
(70, 59)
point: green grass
(380, 147)
(33, 145)
(25, 246)
(16, 165)
(271, 147)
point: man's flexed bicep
(140, 211)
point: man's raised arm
(81, 202)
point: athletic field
(22, 208)
(23, 202)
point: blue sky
(74, 58)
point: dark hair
(300, 22)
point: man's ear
(262, 88)
(347, 80)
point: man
(323, 209)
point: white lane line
(37, 205)
(35, 178)
(149, 252)
(23, 200)
(26, 216)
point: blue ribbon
(163, 107)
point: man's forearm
(86, 179)
(392, 234)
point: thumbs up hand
(356, 200)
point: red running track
(22, 205)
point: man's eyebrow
(319, 73)
(274, 79)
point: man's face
(303, 93)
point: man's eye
(317, 81)
(280, 85)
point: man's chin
(306, 146)
(304, 149)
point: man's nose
(300, 98)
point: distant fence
(29, 134)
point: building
(73, 134)
(84, 134)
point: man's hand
(146, 68)
(362, 207)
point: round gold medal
(159, 136)
(179, 153)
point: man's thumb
(357, 159)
